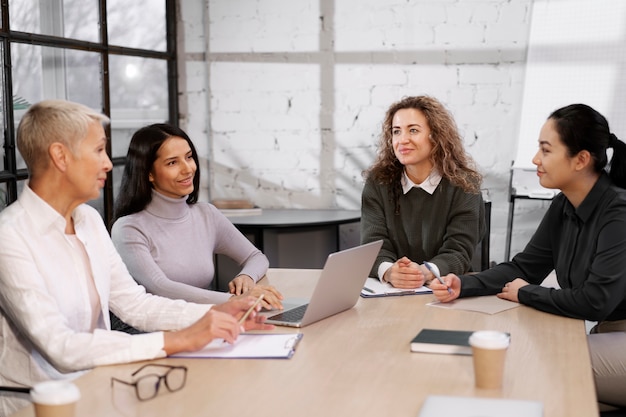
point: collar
(429, 185)
(168, 207)
(591, 201)
(43, 216)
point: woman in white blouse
(60, 273)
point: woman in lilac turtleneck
(167, 238)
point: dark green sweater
(443, 228)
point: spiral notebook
(249, 346)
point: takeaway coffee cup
(489, 351)
(55, 398)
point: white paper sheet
(488, 304)
(250, 345)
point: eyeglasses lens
(148, 386)
(175, 378)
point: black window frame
(11, 175)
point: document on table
(490, 304)
(374, 288)
(443, 405)
(249, 346)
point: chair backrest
(480, 261)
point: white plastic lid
(54, 393)
(489, 339)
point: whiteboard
(576, 54)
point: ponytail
(617, 170)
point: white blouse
(45, 309)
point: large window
(115, 56)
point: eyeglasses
(147, 386)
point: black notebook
(454, 342)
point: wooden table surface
(358, 363)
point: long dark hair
(136, 189)
(580, 127)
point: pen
(436, 274)
(368, 290)
(245, 316)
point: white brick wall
(284, 98)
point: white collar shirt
(429, 184)
(45, 310)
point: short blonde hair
(51, 121)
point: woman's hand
(221, 322)
(243, 285)
(453, 283)
(271, 296)
(510, 289)
(237, 307)
(405, 274)
(240, 284)
(214, 324)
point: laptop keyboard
(291, 316)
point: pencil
(245, 316)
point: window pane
(76, 19)
(3, 193)
(46, 73)
(137, 24)
(139, 96)
(121, 135)
(117, 174)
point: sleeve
(232, 243)
(533, 264)
(131, 303)
(134, 247)
(43, 322)
(602, 289)
(464, 229)
(374, 225)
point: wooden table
(358, 363)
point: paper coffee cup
(489, 351)
(55, 398)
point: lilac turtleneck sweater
(169, 248)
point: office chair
(480, 261)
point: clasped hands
(244, 285)
(406, 274)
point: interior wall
(284, 99)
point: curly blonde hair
(448, 155)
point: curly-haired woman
(422, 196)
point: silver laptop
(337, 289)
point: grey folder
(337, 289)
